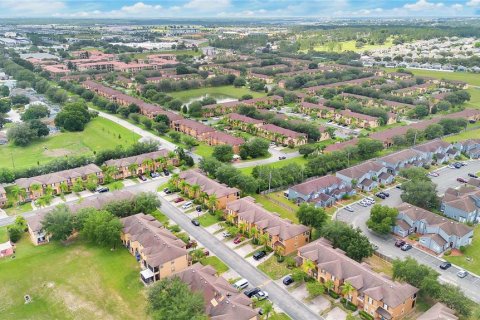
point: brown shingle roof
(225, 138)
(286, 132)
(359, 170)
(335, 262)
(242, 118)
(125, 162)
(316, 184)
(195, 125)
(206, 184)
(438, 312)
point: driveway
(279, 296)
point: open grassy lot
(229, 91)
(215, 262)
(474, 98)
(468, 77)
(274, 207)
(78, 281)
(350, 46)
(299, 160)
(208, 219)
(472, 251)
(465, 135)
(274, 269)
(99, 134)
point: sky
(237, 8)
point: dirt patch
(57, 152)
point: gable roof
(438, 312)
(359, 170)
(194, 125)
(432, 146)
(207, 185)
(375, 285)
(316, 184)
(403, 155)
(138, 159)
(242, 118)
(286, 132)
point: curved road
(281, 297)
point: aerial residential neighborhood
(240, 160)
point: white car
(363, 204)
(451, 166)
(462, 274)
(187, 205)
(226, 234)
(261, 295)
(370, 199)
(348, 208)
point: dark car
(473, 175)
(386, 194)
(199, 208)
(398, 186)
(406, 247)
(462, 180)
(287, 280)
(167, 191)
(251, 292)
(142, 177)
(282, 158)
(179, 199)
(457, 165)
(195, 222)
(102, 189)
(380, 195)
(259, 255)
(166, 172)
(399, 243)
(445, 265)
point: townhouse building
(159, 252)
(221, 299)
(435, 233)
(413, 90)
(221, 138)
(38, 236)
(3, 197)
(359, 81)
(373, 293)
(140, 164)
(403, 159)
(282, 233)
(244, 123)
(59, 182)
(462, 205)
(191, 127)
(366, 176)
(437, 312)
(437, 150)
(470, 147)
(358, 119)
(223, 108)
(208, 187)
(281, 135)
(322, 191)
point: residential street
(447, 178)
(294, 308)
(274, 158)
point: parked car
(251, 292)
(462, 274)
(167, 191)
(282, 158)
(166, 172)
(154, 174)
(142, 177)
(198, 208)
(445, 265)
(457, 165)
(241, 284)
(238, 239)
(406, 247)
(259, 255)
(187, 205)
(363, 204)
(380, 195)
(348, 208)
(287, 280)
(451, 166)
(385, 193)
(399, 243)
(195, 222)
(462, 180)
(102, 189)
(179, 199)
(473, 175)
(261, 295)
(398, 186)
(226, 234)
(434, 174)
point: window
(370, 301)
(385, 306)
(333, 278)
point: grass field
(274, 269)
(471, 134)
(273, 207)
(350, 46)
(299, 160)
(215, 262)
(229, 91)
(472, 251)
(78, 281)
(470, 78)
(99, 134)
(208, 219)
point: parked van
(241, 284)
(187, 205)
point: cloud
(30, 7)
(473, 3)
(423, 5)
(207, 5)
(140, 8)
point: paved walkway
(279, 296)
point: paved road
(279, 296)
(150, 185)
(470, 284)
(274, 158)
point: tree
(352, 241)
(433, 131)
(239, 82)
(102, 228)
(39, 127)
(59, 223)
(190, 142)
(312, 216)
(329, 285)
(382, 219)
(146, 202)
(175, 136)
(368, 148)
(223, 153)
(308, 266)
(172, 299)
(197, 255)
(73, 116)
(414, 173)
(35, 112)
(420, 193)
(21, 134)
(347, 289)
(268, 309)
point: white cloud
(423, 5)
(30, 7)
(207, 5)
(473, 3)
(140, 8)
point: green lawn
(350, 46)
(14, 210)
(465, 135)
(229, 91)
(473, 251)
(98, 135)
(474, 98)
(273, 207)
(208, 219)
(470, 78)
(278, 164)
(78, 281)
(215, 262)
(203, 150)
(160, 216)
(116, 185)
(273, 269)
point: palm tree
(133, 168)
(49, 190)
(35, 187)
(17, 193)
(280, 251)
(264, 238)
(212, 202)
(197, 255)
(254, 232)
(329, 284)
(171, 155)
(148, 163)
(194, 190)
(242, 225)
(182, 185)
(174, 179)
(63, 187)
(347, 288)
(162, 161)
(268, 309)
(308, 265)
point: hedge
(365, 316)
(350, 306)
(333, 294)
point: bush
(365, 316)
(447, 253)
(463, 249)
(175, 228)
(15, 233)
(333, 294)
(350, 306)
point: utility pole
(415, 138)
(269, 181)
(13, 162)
